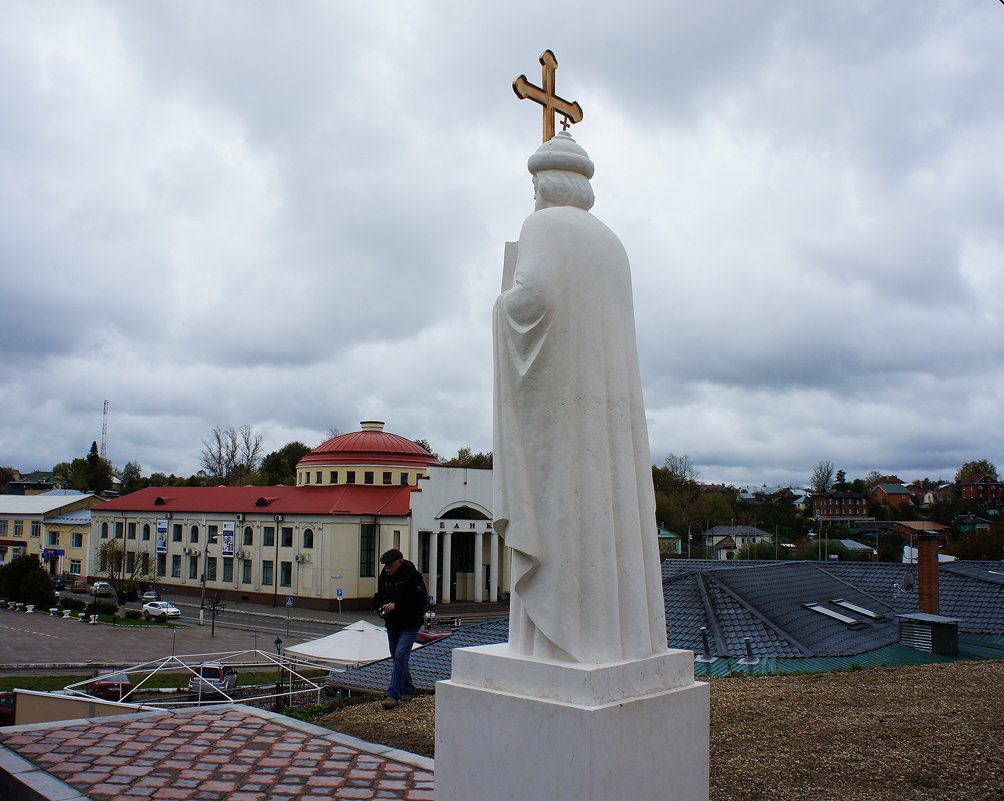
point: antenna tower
(104, 433)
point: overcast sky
(292, 215)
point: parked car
(161, 610)
(210, 678)
(150, 595)
(102, 588)
(7, 708)
(79, 585)
(111, 685)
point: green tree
(6, 476)
(979, 545)
(99, 471)
(424, 444)
(24, 579)
(975, 469)
(279, 467)
(840, 482)
(132, 477)
(467, 458)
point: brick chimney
(927, 569)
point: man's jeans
(400, 642)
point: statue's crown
(561, 153)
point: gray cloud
(293, 217)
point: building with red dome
(356, 496)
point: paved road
(39, 640)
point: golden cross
(571, 112)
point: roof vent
(160, 501)
(371, 425)
(932, 633)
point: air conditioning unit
(186, 550)
(277, 518)
(240, 517)
(298, 558)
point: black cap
(391, 556)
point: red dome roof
(371, 446)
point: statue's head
(561, 171)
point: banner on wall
(161, 536)
(227, 540)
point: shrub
(133, 614)
(72, 603)
(101, 606)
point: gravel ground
(932, 732)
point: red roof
(369, 448)
(344, 499)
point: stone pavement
(223, 753)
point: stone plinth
(509, 727)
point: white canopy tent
(357, 644)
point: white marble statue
(573, 473)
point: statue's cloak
(573, 491)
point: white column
(479, 568)
(433, 564)
(447, 548)
(495, 563)
(413, 544)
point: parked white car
(101, 588)
(161, 610)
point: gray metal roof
(766, 603)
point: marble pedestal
(508, 727)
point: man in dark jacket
(400, 599)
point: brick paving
(226, 753)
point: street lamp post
(205, 567)
(278, 675)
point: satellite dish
(908, 580)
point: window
(3, 528)
(74, 567)
(228, 569)
(162, 564)
(118, 529)
(350, 476)
(193, 534)
(334, 477)
(266, 572)
(211, 534)
(388, 477)
(146, 532)
(193, 567)
(77, 539)
(176, 532)
(245, 571)
(36, 528)
(367, 550)
(131, 531)
(248, 535)
(287, 537)
(308, 538)
(285, 574)
(306, 477)
(268, 536)
(52, 538)
(368, 477)
(317, 477)
(176, 566)
(404, 479)
(19, 528)
(211, 568)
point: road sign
(339, 593)
(289, 600)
